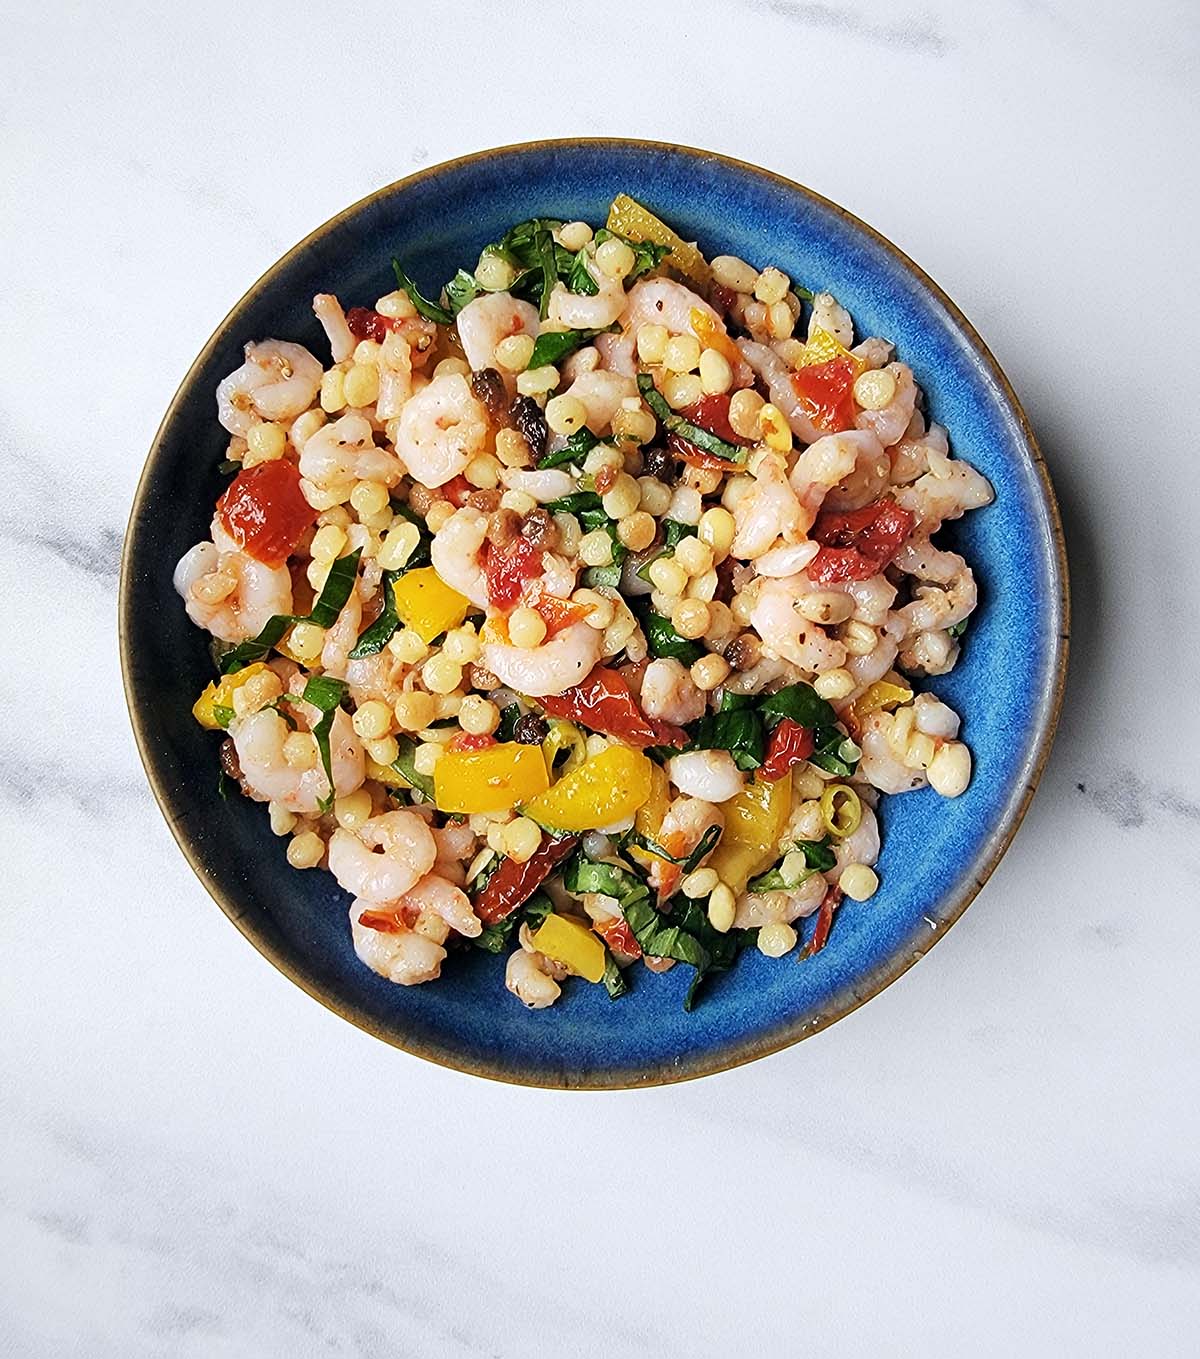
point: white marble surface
(998, 1156)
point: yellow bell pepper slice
(712, 335)
(427, 604)
(822, 348)
(630, 219)
(572, 944)
(604, 790)
(882, 696)
(649, 816)
(219, 694)
(754, 821)
(386, 774)
(491, 780)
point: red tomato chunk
(859, 544)
(264, 511)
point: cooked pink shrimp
(455, 554)
(551, 668)
(687, 821)
(947, 593)
(441, 429)
(230, 593)
(385, 858)
(490, 318)
(830, 461)
(273, 771)
(406, 957)
(778, 377)
(345, 452)
(767, 512)
(787, 633)
(663, 302)
(579, 311)
(278, 381)
(868, 480)
(762, 908)
(601, 394)
(947, 493)
(890, 423)
(328, 310)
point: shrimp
(278, 381)
(880, 765)
(778, 377)
(929, 653)
(344, 452)
(259, 739)
(551, 668)
(341, 639)
(861, 846)
(381, 676)
(767, 512)
(872, 598)
(578, 311)
(406, 852)
(455, 554)
(762, 908)
(918, 452)
(601, 394)
(830, 461)
(687, 821)
(872, 666)
(551, 483)
(669, 693)
(229, 593)
(786, 633)
(441, 897)
(869, 479)
(950, 592)
(710, 775)
(829, 315)
(406, 957)
(663, 302)
(617, 353)
(787, 559)
(395, 376)
(528, 982)
(935, 718)
(456, 844)
(945, 494)
(441, 429)
(328, 310)
(874, 352)
(490, 318)
(890, 423)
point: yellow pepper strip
(605, 790)
(754, 821)
(219, 694)
(562, 736)
(628, 218)
(491, 780)
(822, 347)
(648, 819)
(572, 944)
(711, 335)
(841, 811)
(427, 604)
(881, 696)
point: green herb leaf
(834, 752)
(801, 703)
(608, 576)
(325, 693)
(674, 423)
(613, 979)
(549, 266)
(662, 639)
(741, 732)
(576, 503)
(431, 311)
(646, 254)
(330, 602)
(687, 862)
(579, 280)
(225, 785)
(379, 634)
(818, 856)
(552, 346)
(461, 289)
(420, 555)
(509, 717)
(495, 938)
(228, 467)
(957, 629)
(404, 765)
(577, 447)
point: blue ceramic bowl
(936, 854)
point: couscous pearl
(776, 938)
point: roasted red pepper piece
(858, 544)
(466, 740)
(619, 937)
(826, 393)
(394, 921)
(790, 743)
(824, 923)
(604, 703)
(264, 511)
(512, 884)
(508, 568)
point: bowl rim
(851, 994)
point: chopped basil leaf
(613, 979)
(663, 640)
(740, 731)
(611, 880)
(674, 423)
(228, 467)
(687, 862)
(509, 717)
(731, 702)
(495, 938)
(326, 694)
(579, 280)
(819, 858)
(330, 602)
(577, 447)
(404, 765)
(225, 785)
(431, 311)
(461, 289)
(801, 703)
(223, 715)
(834, 752)
(576, 503)
(554, 345)
(804, 294)
(957, 629)
(608, 576)
(549, 266)
(676, 531)
(379, 634)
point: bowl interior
(935, 852)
